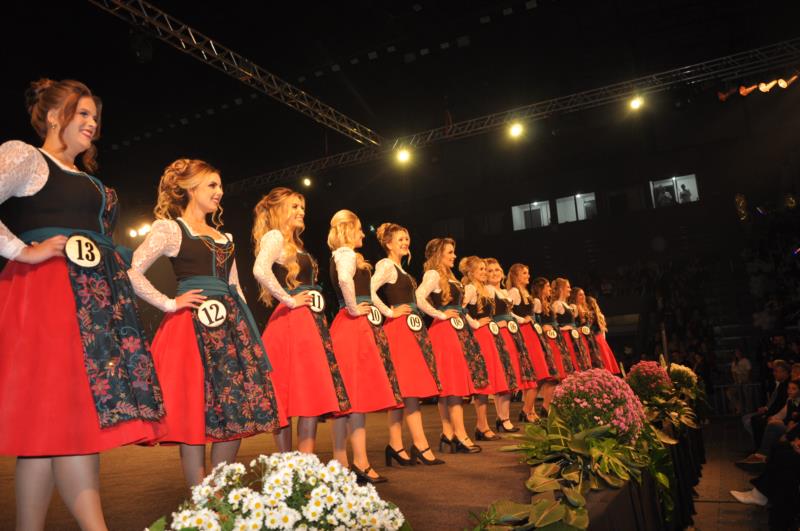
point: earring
(53, 126)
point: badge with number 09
(538, 328)
(82, 251)
(414, 322)
(574, 334)
(212, 313)
(513, 327)
(585, 330)
(552, 334)
(317, 303)
(457, 323)
(375, 317)
(493, 328)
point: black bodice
(360, 280)
(524, 308)
(202, 256)
(401, 292)
(502, 305)
(567, 318)
(307, 276)
(68, 199)
(487, 308)
(456, 295)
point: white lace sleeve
(537, 306)
(233, 276)
(164, 239)
(558, 307)
(514, 296)
(345, 259)
(23, 172)
(271, 249)
(430, 282)
(385, 272)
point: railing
(736, 399)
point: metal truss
(723, 69)
(190, 41)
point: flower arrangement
(597, 398)
(289, 490)
(683, 377)
(649, 380)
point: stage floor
(141, 484)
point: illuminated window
(531, 215)
(576, 207)
(674, 191)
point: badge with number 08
(513, 327)
(457, 323)
(414, 322)
(538, 328)
(574, 333)
(317, 303)
(375, 317)
(493, 328)
(585, 330)
(82, 251)
(212, 313)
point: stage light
(403, 156)
(144, 229)
(766, 87)
(516, 130)
(784, 83)
(744, 91)
(306, 182)
(132, 233)
(636, 103)
(723, 96)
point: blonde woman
(517, 283)
(599, 329)
(583, 324)
(213, 368)
(461, 367)
(360, 345)
(393, 292)
(543, 294)
(306, 375)
(564, 316)
(479, 300)
(510, 334)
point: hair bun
(34, 92)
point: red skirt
(535, 352)
(571, 348)
(494, 367)
(46, 404)
(511, 347)
(451, 365)
(609, 360)
(555, 348)
(359, 357)
(180, 370)
(301, 374)
(413, 375)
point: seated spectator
(795, 371)
(783, 420)
(754, 423)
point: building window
(576, 207)
(531, 215)
(673, 191)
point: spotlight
(132, 233)
(744, 91)
(306, 181)
(144, 229)
(636, 103)
(403, 156)
(766, 87)
(723, 96)
(516, 130)
(784, 83)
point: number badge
(538, 328)
(493, 328)
(552, 334)
(414, 322)
(457, 323)
(375, 317)
(212, 313)
(82, 251)
(574, 333)
(585, 330)
(513, 327)
(317, 303)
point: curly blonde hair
(386, 232)
(345, 226)
(176, 181)
(513, 281)
(433, 260)
(493, 261)
(468, 266)
(596, 315)
(271, 213)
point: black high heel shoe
(362, 476)
(391, 453)
(462, 447)
(416, 455)
(449, 442)
(522, 417)
(499, 423)
(481, 436)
